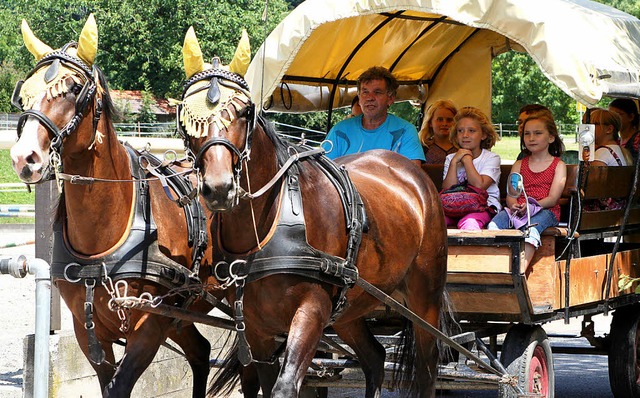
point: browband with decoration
(197, 106)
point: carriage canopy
(443, 49)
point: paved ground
(18, 319)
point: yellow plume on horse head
(194, 61)
(87, 43)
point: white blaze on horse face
(219, 185)
(28, 158)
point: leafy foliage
(146, 114)
(140, 44)
(518, 81)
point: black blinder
(82, 100)
(52, 71)
(16, 100)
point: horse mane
(108, 108)
(280, 145)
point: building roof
(134, 99)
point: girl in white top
(608, 152)
(474, 136)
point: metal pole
(19, 267)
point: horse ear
(33, 44)
(192, 54)
(241, 59)
(88, 42)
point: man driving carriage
(375, 128)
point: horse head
(55, 98)
(216, 119)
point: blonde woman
(434, 137)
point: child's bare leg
(529, 251)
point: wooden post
(46, 199)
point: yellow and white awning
(442, 49)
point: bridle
(84, 97)
(216, 77)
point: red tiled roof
(134, 99)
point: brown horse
(284, 233)
(126, 234)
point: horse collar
(139, 256)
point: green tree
(9, 75)
(518, 81)
(629, 6)
(140, 42)
(146, 115)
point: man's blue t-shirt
(395, 134)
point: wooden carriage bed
(484, 280)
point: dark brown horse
(282, 288)
(66, 128)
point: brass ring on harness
(66, 277)
(170, 155)
(146, 161)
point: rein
(285, 167)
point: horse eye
(76, 89)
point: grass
(7, 175)
(509, 147)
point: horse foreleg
(370, 352)
(268, 375)
(142, 345)
(196, 349)
(304, 334)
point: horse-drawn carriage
(297, 244)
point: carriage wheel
(526, 353)
(624, 355)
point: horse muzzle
(219, 194)
(31, 166)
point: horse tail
(449, 326)
(404, 369)
(227, 376)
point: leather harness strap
(139, 256)
(288, 252)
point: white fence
(8, 124)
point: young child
(608, 152)
(434, 137)
(543, 174)
(473, 135)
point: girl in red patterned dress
(544, 176)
